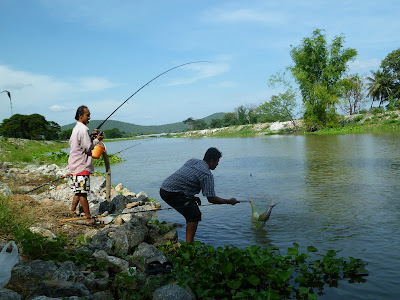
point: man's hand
(232, 201)
(197, 200)
(98, 134)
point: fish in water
(259, 220)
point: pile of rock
(126, 244)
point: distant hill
(140, 129)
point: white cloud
(246, 15)
(60, 108)
(202, 71)
(364, 65)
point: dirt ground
(49, 214)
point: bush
(377, 110)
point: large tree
(318, 69)
(34, 127)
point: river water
(336, 192)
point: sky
(56, 55)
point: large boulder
(122, 239)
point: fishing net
(260, 212)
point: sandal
(155, 267)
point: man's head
(82, 114)
(211, 157)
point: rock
(6, 294)
(62, 289)
(106, 206)
(44, 232)
(114, 264)
(120, 202)
(142, 196)
(118, 188)
(171, 235)
(36, 268)
(4, 189)
(97, 184)
(149, 253)
(103, 295)
(173, 292)
(120, 238)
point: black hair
(80, 111)
(212, 154)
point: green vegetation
(61, 157)
(18, 150)
(14, 217)
(250, 273)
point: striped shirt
(194, 176)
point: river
(337, 192)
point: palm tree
(380, 86)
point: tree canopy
(34, 127)
(318, 69)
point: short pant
(185, 205)
(80, 184)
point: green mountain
(140, 129)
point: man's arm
(218, 200)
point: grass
(14, 216)
(28, 151)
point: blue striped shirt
(194, 176)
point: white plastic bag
(7, 263)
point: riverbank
(358, 123)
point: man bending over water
(179, 189)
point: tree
(113, 133)
(380, 86)
(318, 69)
(391, 65)
(245, 115)
(53, 130)
(241, 113)
(230, 119)
(216, 123)
(33, 127)
(65, 134)
(352, 94)
(279, 108)
(195, 124)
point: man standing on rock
(80, 160)
(178, 189)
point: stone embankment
(258, 129)
(125, 243)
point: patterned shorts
(80, 184)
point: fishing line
(193, 62)
(135, 145)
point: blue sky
(58, 54)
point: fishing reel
(94, 135)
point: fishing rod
(36, 188)
(193, 62)
(9, 96)
(133, 212)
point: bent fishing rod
(193, 62)
(135, 212)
